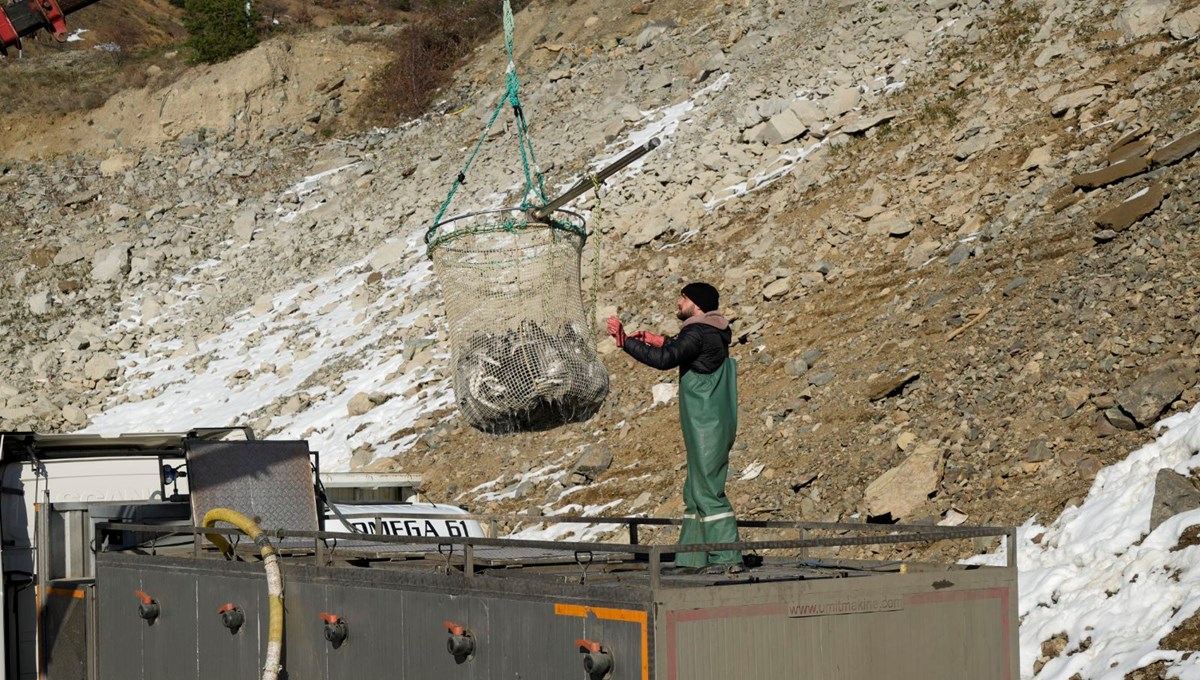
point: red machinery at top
(26, 17)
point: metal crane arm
(26, 17)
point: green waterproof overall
(708, 413)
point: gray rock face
(1173, 494)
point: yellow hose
(274, 578)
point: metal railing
(879, 534)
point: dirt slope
(936, 285)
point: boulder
(663, 393)
(1133, 209)
(1140, 18)
(1185, 25)
(1173, 494)
(1134, 149)
(1075, 100)
(1147, 397)
(808, 112)
(1119, 419)
(100, 367)
(39, 303)
(1113, 173)
(782, 128)
(841, 102)
(69, 254)
(886, 385)
(593, 462)
(388, 254)
(863, 124)
(1039, 157)
(74, 415)
(111, 264)
(777, 288)
(1177, 150)
(243, 225)
(900, 228)
(902, 490)
(359, 404)
(649, 230)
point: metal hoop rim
(580, 228)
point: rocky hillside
(956, 237)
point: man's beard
(682, 315)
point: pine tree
(219, 29)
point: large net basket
(522, 350)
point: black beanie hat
(704, 295)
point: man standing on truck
(708, 416)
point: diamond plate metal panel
(269, 481)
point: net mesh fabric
(522, 352)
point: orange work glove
(652, 339)
(616, 330)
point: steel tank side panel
(400, 632)
(527, 640)
(623, 633)
(479, 623)
(169, 646)
(304, 645)
(372, 648)
(421, 630)
(901, 645)
(223, 654)
(119, 634)
(522, 626)
(394, 632)
(914, 626)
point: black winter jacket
(700, 347)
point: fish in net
(528, 378)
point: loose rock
(1173, 494)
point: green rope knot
(535, 185)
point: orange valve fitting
(335, 629)
(232, 617)
(147, 608)
(461, 643)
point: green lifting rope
(524, 142)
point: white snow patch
(1097, 575)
